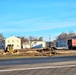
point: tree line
(63, 35)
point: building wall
(26, 45)
(13, 41)
(35, 44)
(2, 44)
(61, 43)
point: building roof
(73, 37)
(12, 37)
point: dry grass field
(28, 53)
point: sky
(38, 18)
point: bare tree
(23, 40)
(1, 37)
(66, 35)
(40, 39)
(54, 43)
(62, 36)
(71, 34)
(31, 39)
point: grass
(11, 56)
(17, 56)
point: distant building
(72, 42)
(16, 42)
(73, 37)
(2, 44)
(61, 43)
(35, 44)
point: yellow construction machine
(10, 49)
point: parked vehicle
(72, 44)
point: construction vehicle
(10, 49)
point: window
(8, 41)
(17, 45)
(12, 40)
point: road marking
(35, 68)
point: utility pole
(49, 41)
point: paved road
(60, 68)
(36, 60)
(55, 71)
(65, 65)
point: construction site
(40, 52)
(17, 47)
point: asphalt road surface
(60, 68)
(56, 71)
(36, 60)
(65, 65)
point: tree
(23, 40)
(66, 35)
(62, 36)
(1, 37)
(71, 34)
(54, 43)
(40, 39)
(32, 40)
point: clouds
(36, 24)
(37, 16)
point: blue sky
(37, 17)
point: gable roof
(13, 37)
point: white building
(16, 42)
(35, 44)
